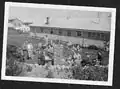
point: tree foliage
(95, 73)
(12, 63)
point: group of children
(43, 52)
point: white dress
(46, 40)
(30, 49)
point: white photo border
(82, 8)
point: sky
(62, 18)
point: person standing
(46, 39)
(99, 58)
(25, 51)
(41, 58)
(25, 55)
(30, 50)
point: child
(41, 58)
(30, 50)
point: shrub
(95, 73)
(105, 61)
(50, 74)
(79, 73)
(93, 47)
(12, 67)
(12, 64)
(29, 68)
(59, 72)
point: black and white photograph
(58, 43)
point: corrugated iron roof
(74, 24)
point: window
(79, 33)
(102, 36)
(98, 35)
(60, 32)
(51, 31)
(69, 33)
(34, 28)
(93, 34)
(41, 29)
(89, 34)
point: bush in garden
(79, 73)
(59, 72)
(12, 64)
(12, 67)
(93, 47)
(105, 61)
(95, 73)
(67, 52)
(11, 51)
(50, 74)
(29, 68)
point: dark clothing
(25, 55)
(52, 61)
(99, 57)
(41, 59)
(43, 47)
(51, 55)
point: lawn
(18, 39)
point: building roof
(19, 21)
(83, 23)
(10, 25)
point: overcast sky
(61, 18)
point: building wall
(78, 33)
(74, 33)
(55, 31)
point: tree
(12, 63)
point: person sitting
(25, 55)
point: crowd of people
(45, 53)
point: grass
(18, 39)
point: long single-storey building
(72, 32)
(86, 34)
